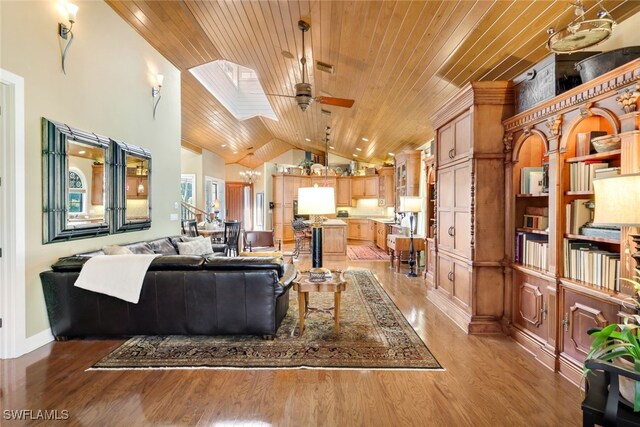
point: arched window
(77, 191)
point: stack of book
(532, 250)
(585, 262)
(583, 173)
(536, 217)
(531, 180)
(577, 214)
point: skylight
(236, 87)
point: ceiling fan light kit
(580, 33)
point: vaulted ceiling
(399, 61)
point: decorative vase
(209, 225)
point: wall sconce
(65, 32)
(155, 92)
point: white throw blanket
(119, 276)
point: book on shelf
(583, 142)
(577, 214)
(583, 173)
(586, 262)
(531, 250)
(607, 172)
(529, 175)
(537, 222)
(536, 210)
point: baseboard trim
(36, 341)
(535, 347)
(570, 371)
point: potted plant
(619, 344)
(305, 164)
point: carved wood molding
(593, 91)
(472, 210)
(554, 124)
(628, 98)
(507, 141)
(589, 110)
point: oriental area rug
(366, 253)
(373, 335)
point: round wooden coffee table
(303, 285)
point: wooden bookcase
(547, 311)
(430, 220)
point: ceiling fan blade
(277, 94)
(338, 102)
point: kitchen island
(334, 238)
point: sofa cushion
(163, 246)
(195, 247)
(244, 263)
(70, 264)
(140, 248)
(116, 250)
(176, 262)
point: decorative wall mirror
(131, 187)
(75, 167)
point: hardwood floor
(488, 381)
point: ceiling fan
(303, 95)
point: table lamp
(315, 202)
(618, 203)
(412, 205)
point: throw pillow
(191, 239)
(116, 250)
(195, 247)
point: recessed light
(224, 145)
(235, 152)
(358, 149)
(307, 139)
(365, 139)
(392, 154)
(332, 147)
(355, 155)
(81, 152)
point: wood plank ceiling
(399, 60)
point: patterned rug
(366, 253)
(373, 335)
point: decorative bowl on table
(606, 143)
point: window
(188, 188)
(259, 211)
(77, 192)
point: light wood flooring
(488, 381)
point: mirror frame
(55, 169)
(119, 152)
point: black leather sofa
(181, 295)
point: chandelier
(250, 176)
(580, 33)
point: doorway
(13, 342)
(238, 203)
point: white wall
(107, 90)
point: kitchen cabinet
(386, 190)
(407, 174)
(97, 184)
(136, 183)
(285, 191)
(381, 230)
(364, 187)
(360, 229)
(343, 191)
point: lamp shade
(410, 204)
(316, 200)
(617, 200)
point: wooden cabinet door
(446, 145)
(353, 230)
(581, 313)
(357, 188)
(532, 304)
(278, 189)
(97, 184)
(445, 274)
(462, 285)
(371, 186)
(461, 209)
(290, 191)
(343, 192)
(463, 136)
(371, 234)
